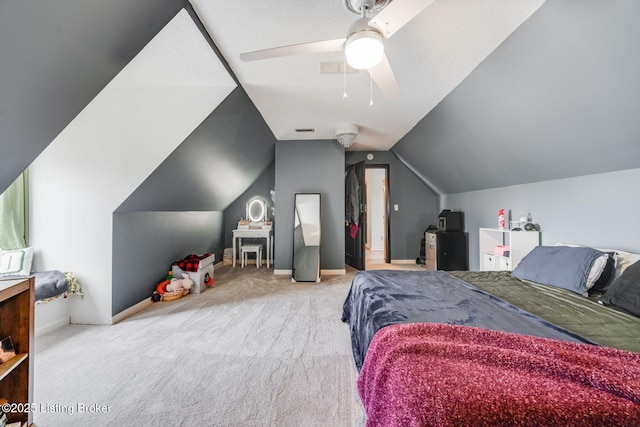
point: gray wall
(231, 150)
(236, 210)
(417, 204)
(596, 210)
(310, 167)
(558, 98)
(221, 158)
(145, 244)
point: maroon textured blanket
(425, 374)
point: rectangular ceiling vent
(336, 67)
(303, 130)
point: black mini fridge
(446, 250)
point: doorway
(360, 242)
(377, 233)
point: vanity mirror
(257, 210)
(306, 238)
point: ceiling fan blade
(382, 74)
(295, 49)
(396, 14)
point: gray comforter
(386, 297)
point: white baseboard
(41, 330)
(131, 310)
(51, 315)
(144, 304)
(403, 261)
(325, 272)
(336, 272)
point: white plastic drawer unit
(504, 263)
(489, 262)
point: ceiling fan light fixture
(364, 49)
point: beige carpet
(255, 350)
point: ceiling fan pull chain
(344, 75)
(370, 88)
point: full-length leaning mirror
(306, 238)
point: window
(14, 214)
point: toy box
(202, 279)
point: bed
(492, 348)
(49, 285)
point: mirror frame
(262, 203)
(305, 260)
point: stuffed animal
(177, 284)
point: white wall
(596, 210)
(375, 208)
(102, 156)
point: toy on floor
(178, 284)
(172, 288)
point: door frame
(387, 208)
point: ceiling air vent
(336, 67)
(303, 130)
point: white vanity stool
(245, 249)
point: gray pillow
(561, 266)
(624, 292)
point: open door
(355, 218)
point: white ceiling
(430, 56)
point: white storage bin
(489, 262)
(504, 264)
(200, 278)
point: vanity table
(265, 232)
(257, 226)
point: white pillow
(596, 270)
(16, 262)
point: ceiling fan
(363, 46)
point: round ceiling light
(364, 49)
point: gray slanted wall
(559, 98)
(261, 187)
(56, 57)
(179, 209)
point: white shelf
(520, 244)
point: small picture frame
(7, 351)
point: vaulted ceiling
(494, 92)
(429, 56)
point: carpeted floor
(254, 350)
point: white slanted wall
(104, 154)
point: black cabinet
(446, 250)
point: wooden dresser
(17, 299)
